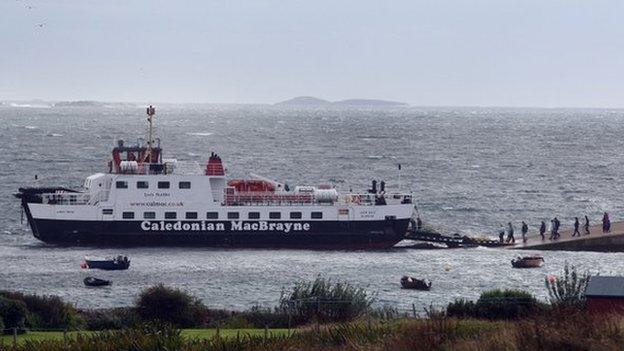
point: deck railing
(288, 199)
(178, 167)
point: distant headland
(313, 101)
(79, 103)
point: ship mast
(151, 111)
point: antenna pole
(400, 185)
(151, 111)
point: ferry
(144, 199)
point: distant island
(313, 101)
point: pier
(595, 241)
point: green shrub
(461, 308)
(387, 312)
(569, 289)
(324, 301)
(506, 304)
(46, 311)
(235, 321)
(161, 303)
(13, 313)
(260, 317)
(114, 318)
(255, 317)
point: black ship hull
(349, 235)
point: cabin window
(107, 211)
(149, 215)
(212, 215)
(163, 185)
(121, 184)
(191, 215)
(184, 185)
(142, 185)
(316, 215)
(253, 215)
(295, 215)
(170, 215)
(233, 215)
(127, 215)
(275, 215)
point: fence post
(14, 338)
(289, 322)
(218, 334)
(414, 309)
(318, 315)
(65, 341)
(266, 332)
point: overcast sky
(504, 53)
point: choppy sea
(471, 169)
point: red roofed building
(605, 295)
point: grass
(556, 330)
(188, 333)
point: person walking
(543, 230)
(552, 230)
(586, 225)
(606, 223)
(576, 227)
(510, 234)
(525, 230)
(501, 235)
(557, 225)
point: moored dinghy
(413, 283)
(527, 262)
(93, 281)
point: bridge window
(184, 185)
(149, 215)
(233, 215)
(121, 184)
(142, 185)
(253, 215)
(127, 215)
(212, 215)
(191, 215)
(275, 215)
(316, 215)
(163, 185)
(107, 211)
(295, 215)
(170, 215)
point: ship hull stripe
(294, 234)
